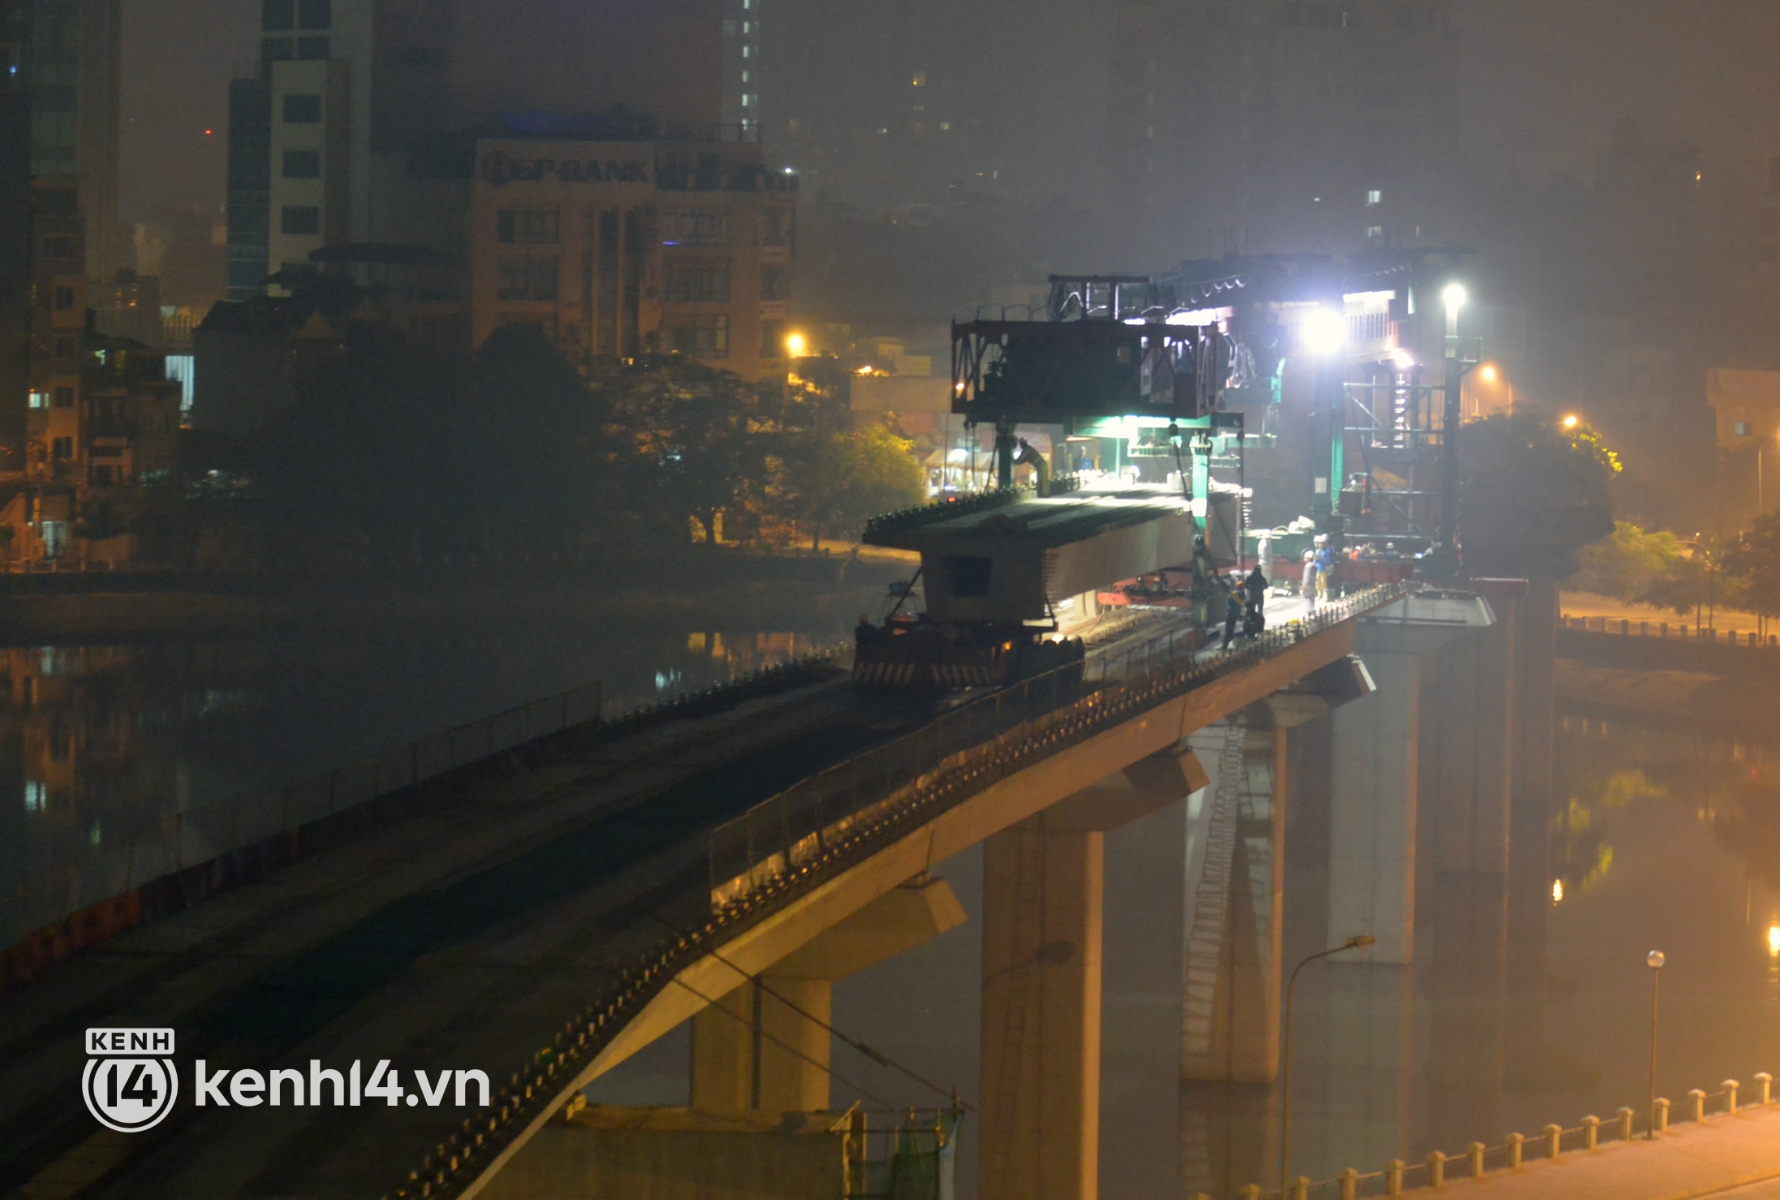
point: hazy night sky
(1543, 78)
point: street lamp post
(1285, 1058)
(1655, 959)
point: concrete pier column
(1376, 771)
(1372, 811)
(1043, 891)
(765, 1045)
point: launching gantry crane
(996, 566)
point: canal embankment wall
(712, 590)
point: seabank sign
(500, 169)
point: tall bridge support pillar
(764, 1046)
(1043, 886)
(1376, 772)
(1236, 873)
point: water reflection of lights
(1557, 891)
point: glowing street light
(1572, 421)
(1488, 373)
(1655, 960)
(1454, 297)
(1359, 942)
(1774, 941)
(1402, 358)
(796, 345)
(1324, 330)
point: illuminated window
(1740, 428)
(1374, 198)
(34, 795)
(39, 399)
(529, 227)
(1374, 232)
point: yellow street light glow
(1489, 373)
(1454, 296)
(1557, 891)
(1572, 421)
(795, 345)
(1774, 940)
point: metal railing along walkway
(1439, 1169)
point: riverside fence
(58, 907)
(1662, 629)
(1516, 1150)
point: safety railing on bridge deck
(46, 917)
(531, 1094)
(820, 816)
(1515, 1151)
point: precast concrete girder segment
(1001, 804)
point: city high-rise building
(74, 69)
(15, 233)
(1281, 124)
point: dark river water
(99, 744)
(1662, 840)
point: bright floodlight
(1403, 358)
(1488, 372)
(1323, 331)
(795, 345)
(1572, 421)
(1454, 296)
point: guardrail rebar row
(528, 1096)
(1660, 629)
(796, 825)
(1516, 1149)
